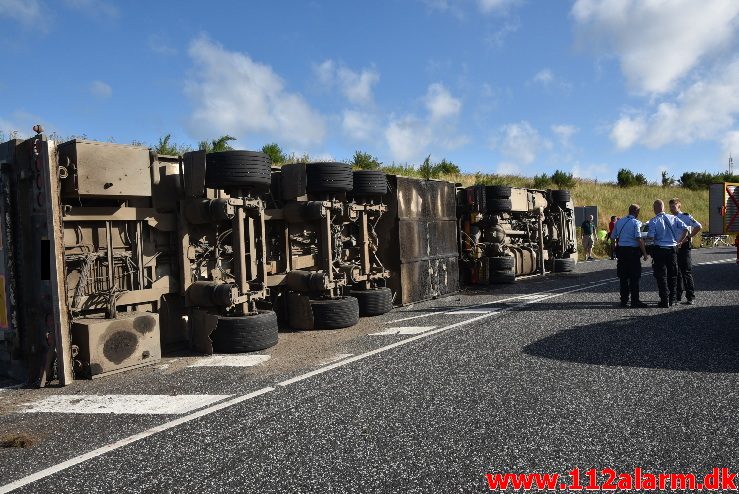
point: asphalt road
(544, 375)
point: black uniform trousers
(628, 269)
(685, 272)
(664, 267)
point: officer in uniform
(684, 262)
(668, 232)
(630, 247)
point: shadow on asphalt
(701, 339)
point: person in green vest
(588, 237)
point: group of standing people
(668, 242)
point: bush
(275, 153)
(217, 145)
(426, 169)
(365, 161)
(165, 146)
(667, 180)
(701, 180)
(626, 178)
(563, 180)
(542, 181)
(445, 167)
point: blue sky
(508, 86)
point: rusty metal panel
(419, 239)
(443, 238)
(99, 169)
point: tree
(365, 161)
(426, 169)
(562, 180)
(445, 167)
(275, 153)
(667, 180)
(542, 181)
(166, 146)
(217, 145)
(626, 178)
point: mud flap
(202, 325)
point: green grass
(611, 199)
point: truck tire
(564, 265)
(369, 183)
(561, 196)
(504, 263)
(335, 313)
(497, 191)
(240, 334)
(373, 302)
(238, 169)
(502, 276)
(329, 177)
(499, 205)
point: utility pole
(731, 165)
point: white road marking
(470, 311)
(123, 404)
(336, 358)
(229, 403)
(129, 440)
(486, 304)
(431, 333)
(230, 361)
(404, 330)
(720, 261)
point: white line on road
(404, 330)
(538, 296)
(123, 404)
(124, 442)
(230, 361)
(336, 358)
(430, 333)
(469, 311)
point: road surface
(544, 375)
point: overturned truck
(112, 254)
(508, 232)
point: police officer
(668, 232)
(630, 247)
(684, 262)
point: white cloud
(496, 6)
(506, 168)
(100, 90)
(408, 138)
(411, 137)
(231, 93)
(160, 44)
(657, 42)
(440, 103)
(356, 87)
(94, 8)
(703, 111)
(27, 12)
(543, 77)
(564, 133)
(595, 170)
(730, 146)
(359, 125)
(519, 142)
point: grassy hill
(610, 198)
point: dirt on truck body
(113, 254)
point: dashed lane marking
(336, 358)
(123, 404)
(529, 297)
(230, 361)
(129, 440)
(404, 330)
(470, 311)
